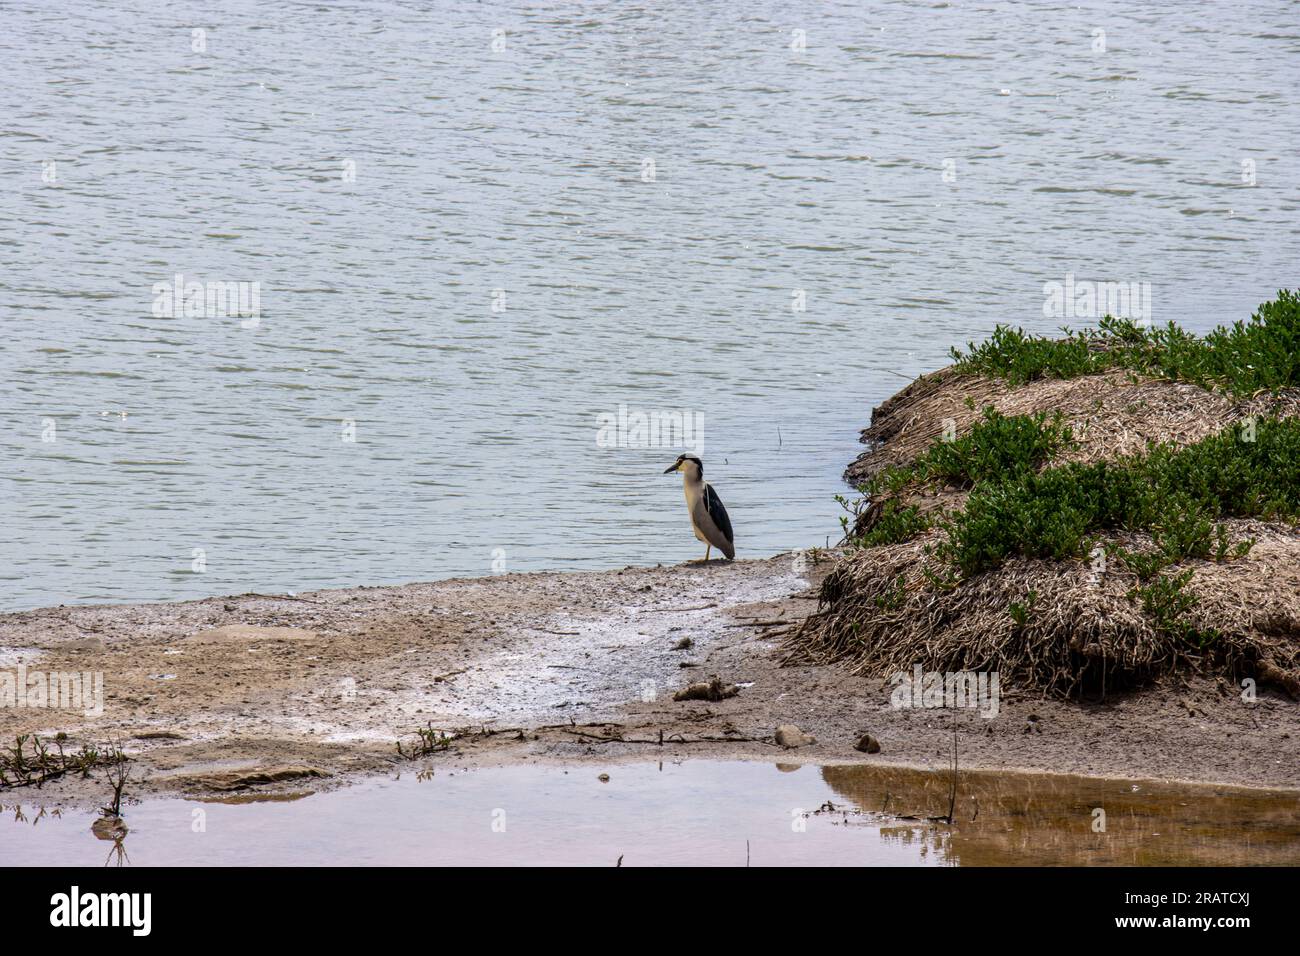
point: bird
(708, 517)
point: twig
(952, 789)
(672, 738)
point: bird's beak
(675, 466)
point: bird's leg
(707, 552)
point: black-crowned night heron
(708, 517)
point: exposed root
(1073, 629)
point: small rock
(603, 778)
(684, 644)
(790, 736)
(867, 744)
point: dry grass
(1110, 415)
(880, 615)
(1055, 625)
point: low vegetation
(428, 740)
(32, 761)
(1176, 494)
(1242, 359)
(998, 447)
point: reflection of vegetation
(110, 825)
(113, 830)
(924, 839)
(117, 855)
(1006, 819)
(20, 814)
(32, 761)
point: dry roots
(881, 614)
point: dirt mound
(243, 779)
(1060, 625)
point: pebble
(789, 736)
(867, 744)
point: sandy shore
(558, 667)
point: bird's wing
(718, 513)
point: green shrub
(998, 447)
(1244, 358)
(894, 526)
(1176, 494)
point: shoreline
(268, 694)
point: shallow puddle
(692, 813)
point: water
(696, 813)
(775, 170)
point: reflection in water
(236, 799)
(21, 815)
(1004, 819)
(921, 839)
(697, 813)
(113, 829)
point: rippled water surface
(526, 168)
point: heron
(708, 517)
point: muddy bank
(266, 693)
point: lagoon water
(653, 185)
(697, 813)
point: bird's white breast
(700, 518)
(695, 505)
